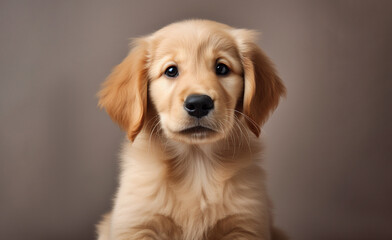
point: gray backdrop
(329, 143)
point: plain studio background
(328, 146)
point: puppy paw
(158, 228)
(237, 227)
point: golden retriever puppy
(192, 98)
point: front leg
(158, 228)
(239, 227)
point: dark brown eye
(221, 69)
(171, 72)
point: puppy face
(195, 81)
(200, 77)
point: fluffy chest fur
(195, 187)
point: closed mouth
(197, 129)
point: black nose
(198, 105)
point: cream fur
(204, 186)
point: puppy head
(200, 76)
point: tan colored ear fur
(124, 93)
(262, 86)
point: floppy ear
(124, 93)
(262, 86)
